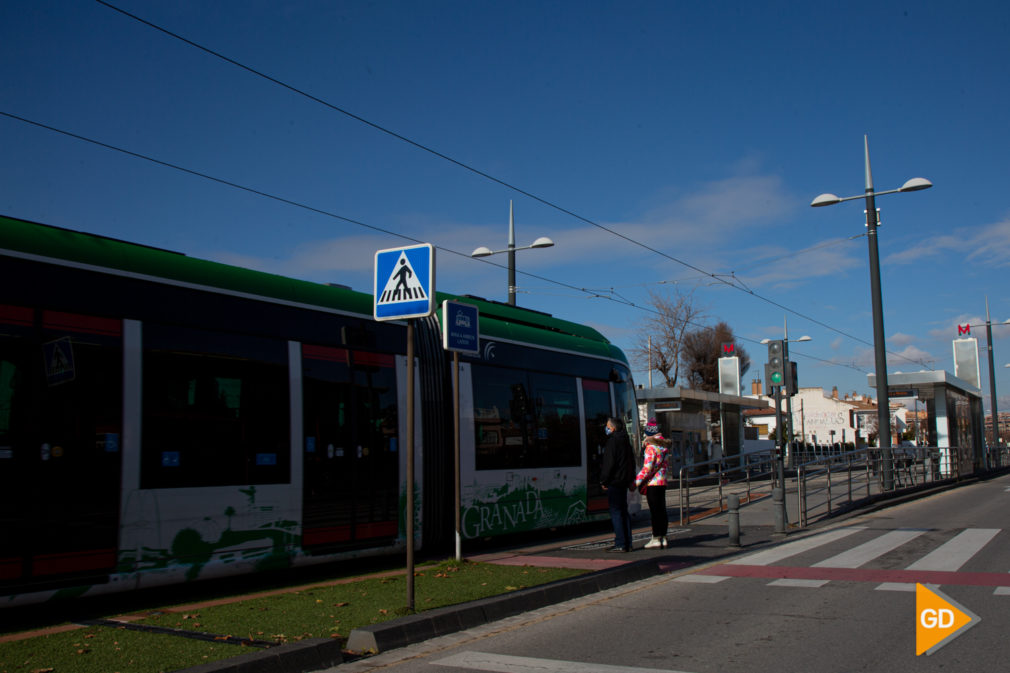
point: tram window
(596, 397)
(351, 446)
(525, 419)
(216, 409)
(558, 439)
(60, 424)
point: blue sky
(701, 130)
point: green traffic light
(776, 378)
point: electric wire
(486, 175)
(589, 293)
(614, 297)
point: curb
(313, 654)
(417, 628)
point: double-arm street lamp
(542, 242)
(879, 347)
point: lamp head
(805, 337)
(825, 200)
(482, 251)
(542, 242)
(915, 184)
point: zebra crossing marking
(868, 551)
(939, 567)
(770, 556)
(949, 556)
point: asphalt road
(839, 599)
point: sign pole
(403, 288)
(460, 334)
(456, 485)
(409, 514)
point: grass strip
(328, 611)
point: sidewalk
(704, 539)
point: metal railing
(821, 484)
(826, 484)
(711, 480)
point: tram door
(351, 487)
(60, 427)
(596, 399)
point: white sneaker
(654, 543)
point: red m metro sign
(963, 329)
(728, 350)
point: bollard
(733, 503)
(779, 509)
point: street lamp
(879, 347)
(482, 251)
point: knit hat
(652, 428)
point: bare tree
(673, 316)
(700, 352)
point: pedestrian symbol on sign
(403, 284)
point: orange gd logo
(938, 619)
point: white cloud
(822, 262)
(950, 330)
(910, 358)
(987, 245)
(900, 339)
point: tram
(166, 419)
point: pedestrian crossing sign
(404, 283)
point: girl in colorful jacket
(653, 477)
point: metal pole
(992, 388)
(456, 479)
(409, 513)
(512, 258)
(779, 494)
(779, 430)
(879, 347)
(650, 361)
(733, 519)
(803, 427)
(789, 457)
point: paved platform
(703, 539)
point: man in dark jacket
(617, 474)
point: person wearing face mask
(651, 481)
(617, 476)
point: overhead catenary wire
(441, 155)
(590, 293)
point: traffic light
(775, 372)
(792, 383)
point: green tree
(700, 355)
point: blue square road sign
(404, 282)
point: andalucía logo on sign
(938, 619)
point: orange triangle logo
(938, 619)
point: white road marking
(701, 579)
(864, 553)
(771, 556)
(949, 556)
(505, 663)
(804, 584)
